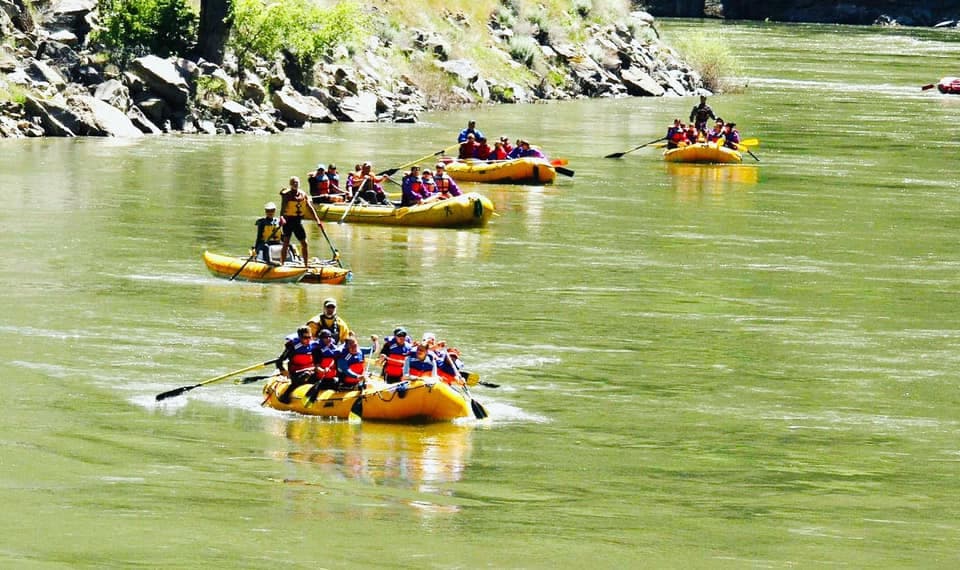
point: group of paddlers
(325, 353)
(697, 130)
(474, 145)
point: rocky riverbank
(53, 83)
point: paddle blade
(175, 392)
(615, 155)
(478, 410)
(487, 384)
(252, 379)
(388, 172)
(356, 411)
(564, 171)
(927, 87)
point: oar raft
(245, 269)
(419, 400)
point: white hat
(429, 336)
(269, 206)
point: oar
(390, 171)
(927, 87)
(249, 259)
(564, 171)
(619, 154)
(750, 142)
(336, 254)
(183, 389)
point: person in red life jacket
(448, 360)
(731, 136)
(412, 189)
(321, 191)
(395, 350)
(507, 147)
(299, 359)
(419, 363)
(326, 366)
(499, 152)
(351, 362)
(468, 148)
(716, 133)
(294, 207)
(483, 149)
(369, 185)
(269, 229)
(330, 320)
(693, 135)
(446, 187)
(676, 134)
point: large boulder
(162, 77)
(639, 83)
(105, 120)
(55, 118)
(300, 109)
(72, 15)
(359, 109)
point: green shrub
(302, 28)
(523, 49)
(712, 58)
(130, 28)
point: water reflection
(420, 458)
(693, 181)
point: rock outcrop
(57, 86)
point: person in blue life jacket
(351, 362)
(394, 353)
(299, 359)
(419, 363)
(326, 366)
(269, 232)
(731, 136)
(470, 130)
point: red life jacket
(302, 358)
(396, 354)
(328, 360)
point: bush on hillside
(131, 28)
(712, 58)
(298, 27)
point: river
(747, 366)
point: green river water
(734, 367)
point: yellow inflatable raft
(529, 170)
(421, 400)
(702, 153)
(467, 210)
(328, 271)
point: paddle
(743, 147)
(564, 171)
(272, 235)
(390, 171)
(336, 254)
(478, 410)
(619, 154)
(183, 389)
(252, 379)
(559, 162)
(927, 87)
(356, 410)
(352, 201)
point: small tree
(136, 27)
(298, 27)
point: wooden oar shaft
(182, 389)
